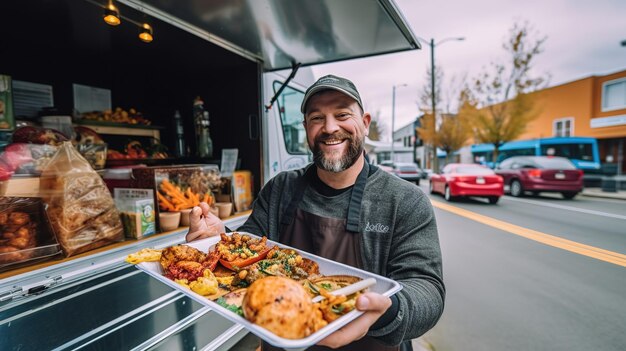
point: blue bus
(583, 152)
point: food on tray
(118, 115)
(144, 255)
(238, 251)
(282, 306)
(329, 283)
(80, 207)
(270, 286)
(178, 253)
(17, 233)
(333, 307)
(173, 197)
(233, 301)
(279, 263)
(134, 150)
(38, 135)
(206, 284)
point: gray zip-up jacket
(399, 240)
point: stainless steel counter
(102, 303)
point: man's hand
(203, 223)
(374, 306)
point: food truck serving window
(289, 102)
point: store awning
(283, 32)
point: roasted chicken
(282, 306)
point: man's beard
(347, 158)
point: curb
(620, 195)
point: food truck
(152, 82)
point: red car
(460, 179)
(541, 174)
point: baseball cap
(331, 82)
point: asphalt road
(537, 273)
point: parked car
(407, 171)
(465, 179)
(541, 174)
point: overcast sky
(583, 39)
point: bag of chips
(80, 207)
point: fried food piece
(190, 270)
(334, 307)
(205, 285)
(10, 254)
(144, 255)
(237, 246)
(4, 218)
(19, 218)
(20, 242)
(280, 305)
(176, 253)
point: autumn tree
(447, 130)
(502, 105)
(376, 129)
(453, 130)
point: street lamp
(435, 163)
(393, 115)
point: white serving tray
(384, 286)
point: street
(532, 273)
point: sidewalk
(597, 192)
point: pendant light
(111, 14)
(145, 33)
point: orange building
(590, 107)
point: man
(346, 210)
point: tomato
(240, 263)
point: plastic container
(169, 221)
(41, 243)
(384, 286)
(224, 209)
(184, 217)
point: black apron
(332, 238)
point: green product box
(136, 208)
(7, 119)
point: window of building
(614, 95)
(563, 127)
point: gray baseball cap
(331, 82)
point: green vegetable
(326, 286)
(337, 309)
(233, 308)
(313, 288)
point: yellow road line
(547, 239)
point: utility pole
(393, 116)
(435, 163)
(431, 43)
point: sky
(583, 39)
